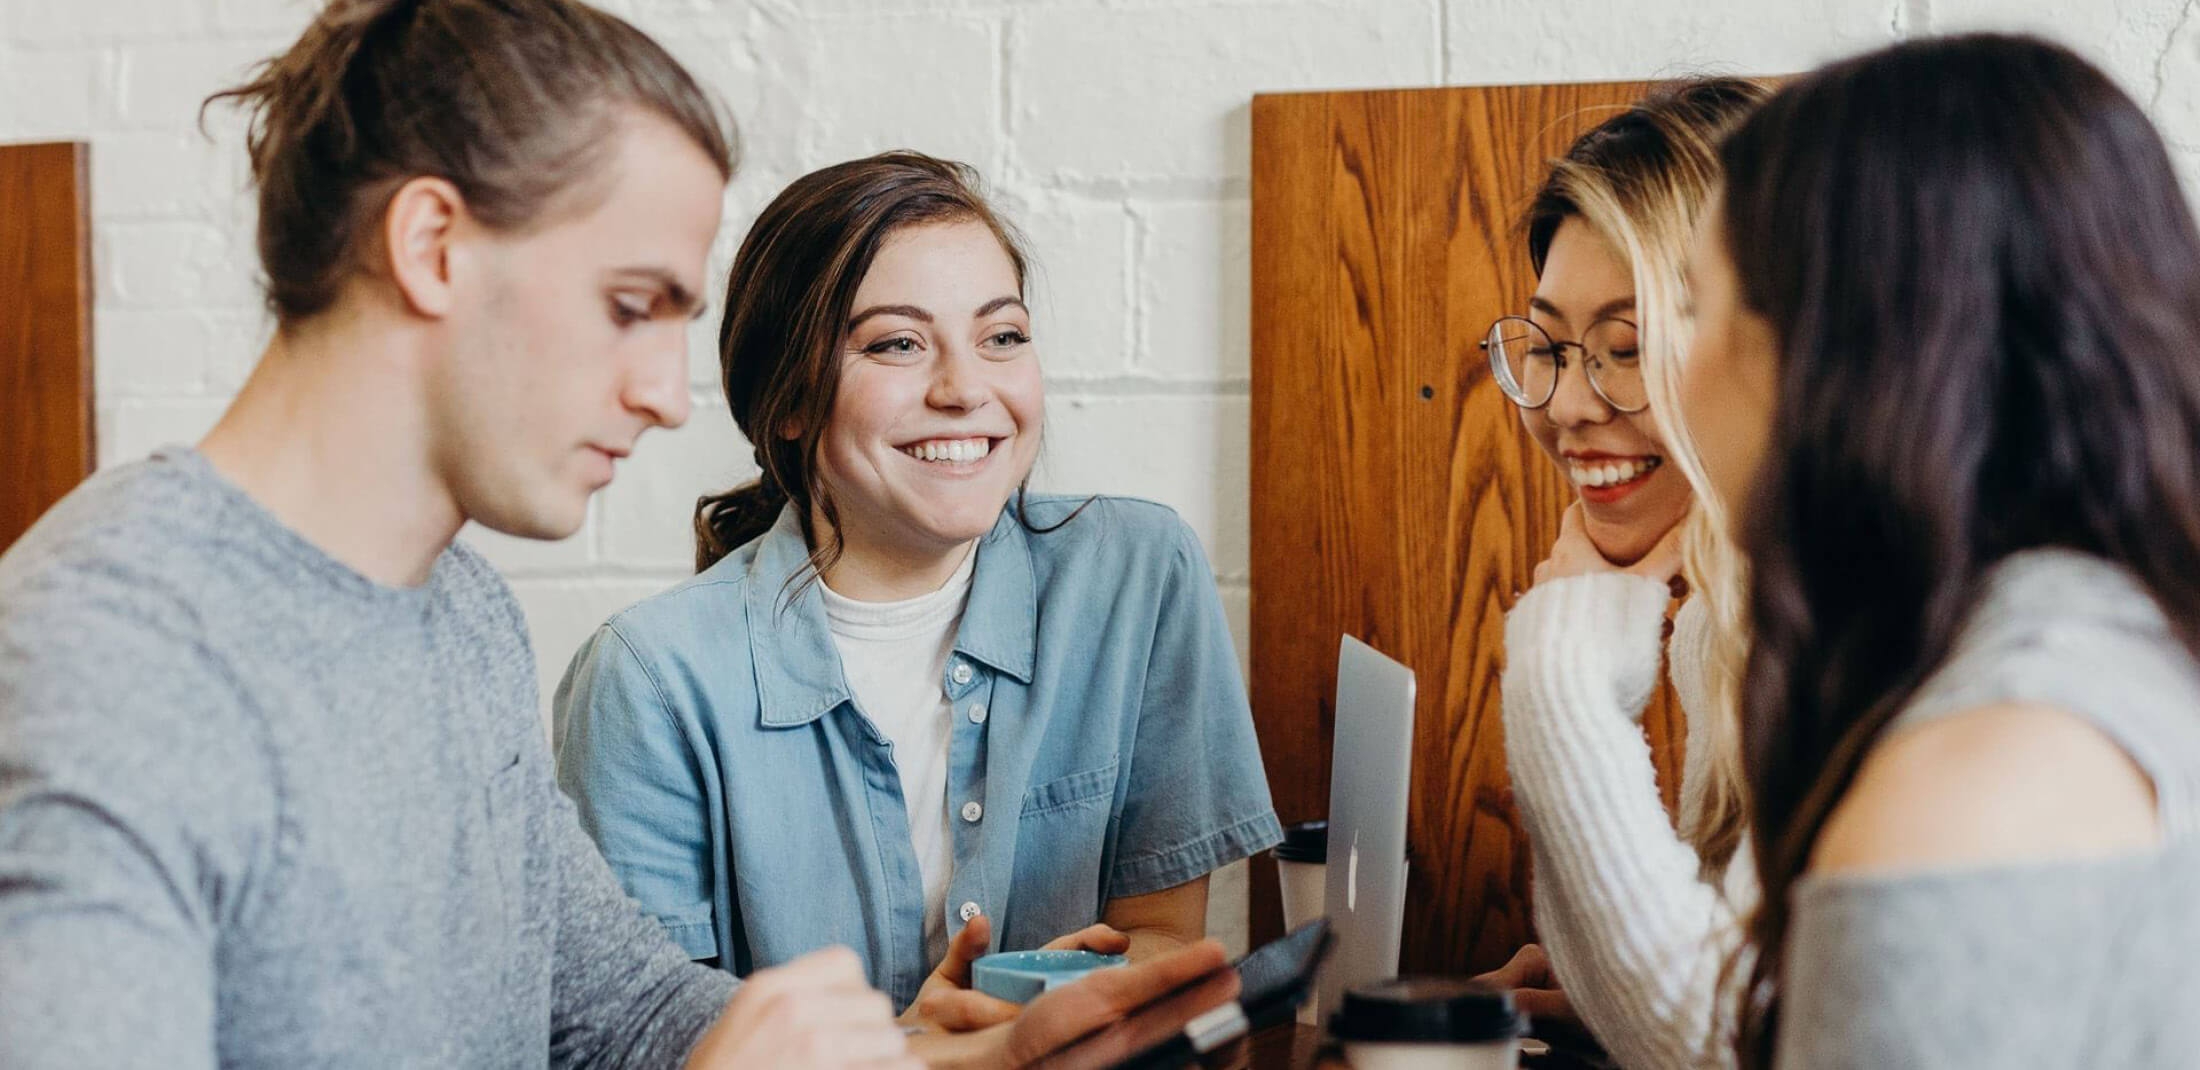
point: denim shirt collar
(797, 666)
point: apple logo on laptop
(1352, 875)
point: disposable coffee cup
(1301, 868)
(1430, 1023)
(1301, 871)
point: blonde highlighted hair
(1642, 180)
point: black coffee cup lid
(1428, 1010)
(1307, 841)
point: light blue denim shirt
(720, 760)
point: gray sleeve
(137, 816)
(1990, 969)
(624, 995)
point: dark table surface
(1301, 1047)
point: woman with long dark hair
(1947, 373)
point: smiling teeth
(951, 451)
(1611, 473)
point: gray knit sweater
(256, 810)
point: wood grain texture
(46, 445)
(1395, 495)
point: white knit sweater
(1637, 938)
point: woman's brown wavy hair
(788, 299)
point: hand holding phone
(1275, 980)
(1114, 1014)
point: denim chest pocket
(1061, 848)
(1091, 788)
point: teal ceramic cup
(1019, 976)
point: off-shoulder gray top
(2093, 963)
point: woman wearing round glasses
(1637, 917)
(1596, 424)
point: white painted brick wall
(1116, 131)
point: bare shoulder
(1992, 785)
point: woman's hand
(1110, 1015)
(816, 1011)
(1575, 555)
(1534, 987)
(1098, 1021)
(948, 1003)
(1552, 1019)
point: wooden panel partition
(45, 329)
(1395, 495)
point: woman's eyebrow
(1611, 307)
(911, 311)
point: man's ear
(417, 230)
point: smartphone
(1273, 981)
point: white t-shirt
(895, 657)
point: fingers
(1058, 1018)
(832, 970)
(1574, 553)
(816, 1011)
(1148, 1025)
(1535, 967)
(830, 1030)
(1663, 562)
(1101, 938)
(967, 947)
(1130, 987)
(948, 1002)
(1502, 977)
(959, 1010)
(1570, 525)
(1544, 1005)
(842, 1028)
(1512, 974)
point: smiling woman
(1638, 914)
(836, 252)
(937, 422)
(905, 705)
(1596, 424)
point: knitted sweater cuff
(1599, 630)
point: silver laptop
(1370, 779)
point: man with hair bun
(273, 789)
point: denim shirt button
(977, 713)
(972, 812)
(962, 672)
(969, 911)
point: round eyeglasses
(1527, 362)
